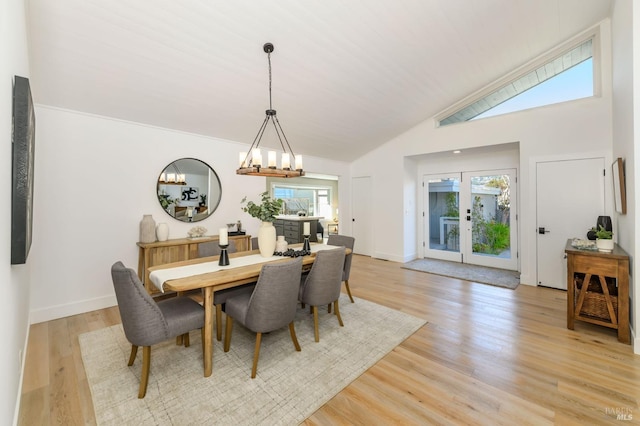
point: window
(313, 201)
(566, 77)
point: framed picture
(619, 191)
(22, 147)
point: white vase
(162, 232)
(281, 244)
(147, 229)
(267, 239)
(604, 245)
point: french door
(469, 218)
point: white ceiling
(347, 75)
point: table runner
(159, 277)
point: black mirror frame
(210, 208)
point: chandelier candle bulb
(171, 177)
(286, 163)
(163, 177)
(257, 158)
(298, 159)
(306, 229)
(223, 237)
(271, 155)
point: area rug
(289, 385)
(479, 274)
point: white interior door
(361, 220)
(570, 196)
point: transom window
(566, 77)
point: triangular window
(567, 77)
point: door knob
(543, 231)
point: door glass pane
(444, 217)
(490, 216)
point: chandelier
(251, 162)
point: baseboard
(61, 311)
(393, 257)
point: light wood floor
(486, 356)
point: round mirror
(189, 190)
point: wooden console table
(162, 252)
(598, 306)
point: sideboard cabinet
(598, 289)
(161, 252)
(293, 229)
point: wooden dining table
(228, 277)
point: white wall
(14, 312)
(626, 94)
(95, 178)
(571, 129)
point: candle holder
(306, 246)
(223, 260)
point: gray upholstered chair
(271, 305)
(146, 322)
(212, 248)
(348, 242)
(322, 285)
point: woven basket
(595, 305)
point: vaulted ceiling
(347, 75)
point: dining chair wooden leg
(227, 334)
(316, 330)
(256, 355)
(346, 284)
(219, 322)
(335, 308)
(202, 339)
(146, 366)
(185, 339)
(329, 308)
(132, 357)
(292, 331)
(179, 340)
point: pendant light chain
(269, 58)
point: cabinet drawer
(291, 226)
(291, 234)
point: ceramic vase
(162, 232)
(267, 239)
(147, 229)
(604, 245)
(281, 244)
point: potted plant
(203, 200)
(266, 211)
(604, 239)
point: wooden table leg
(623, 304)
(570, 293)
(208, 331)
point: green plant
(203, 198)
(266, 211)
(165, 201)
(452, 205)
(602, 234)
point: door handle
(543, 231)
